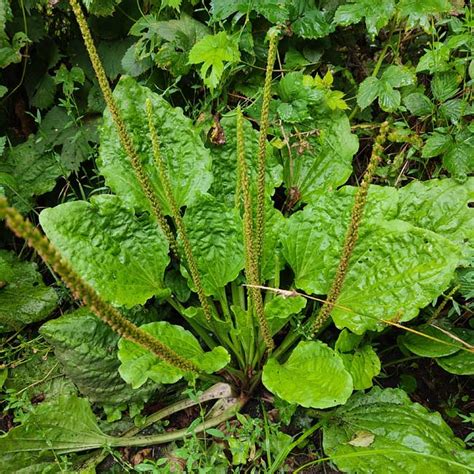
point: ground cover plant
(237, 236)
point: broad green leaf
(87, 350)
(64, 425)
(313, 376)
(395, 270)
(369, 90)
(187, 160)
(323, 161)
(312, 24)
(398, 76)
(435, 59)
(363, 365)
(376, 17)
(215, 52)
(101, 7)
(313, 238)
(27, 171)
(452, 110)
(462, 362)
(425, 347)
(420, 12)
(406, 437)
(224, 162)
(24, 298)
(389, 98)
(440, 205)
(459, 159)
(215, 233)
(42, 96)
(279, 309)
(138, 365)
(121, 255)
(436, 144)
(418, 104)
(445, 85)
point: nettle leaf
(436, 144)
(418, 104)
(87, 350)
(188, 161)
(376, 18)
(420, 12)
(313, 238)
(224, 162)
(215, 52)
(427, 346)
(313, 376)
(377, 286)
(445, 85)
(215, 234)
(440, 205)
(435, 59)
(322, 161)
(369, 90)
(121, 255)
(312, 24)
(459, 159)
(64, 425)
(138, 364)
(405, 436)
(24, 298)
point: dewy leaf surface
(87, 350)
(407, 437)
(322, 161)
(121, 255)
(215, 233)
(24, 298)
(313, 376)
(188, 161)
(138, 365)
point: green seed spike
(262, 143)
(352, 232)
(251, 265)
(124, 136)
(83, 291)
(166, 183)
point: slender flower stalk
(352, 232)
(83, 291)
(262, 144)
(251, 264)
(125, 138)
(166, 183)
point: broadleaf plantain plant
(221, 236)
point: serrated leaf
(375, 18)
(101, 7)
(24, 298)
(459, 159)
(122, 256)
(428, 347)
(214, 51)
(444, 85)
(215, 234)
(363, 365)
(369, 90)
(138, 365)
(435, 59)
(418, 104)
(406, 436)
(313, 376)
(420, 12)
(187, 160)
(398, 76)
(389, 98)
(87, 350)
(313, 24)
(323, 161)
(436, 144)
(44, 93)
